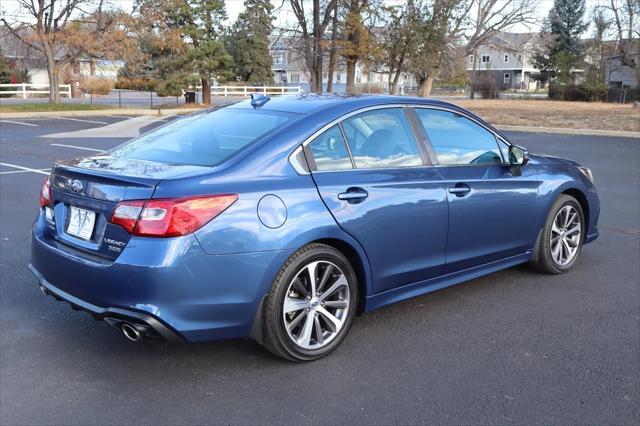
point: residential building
(619, 75)
(504, 61)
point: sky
(285, 17)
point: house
(288, 66)
(505, 62)
(618, 75)
(33, 63)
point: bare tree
(51, 31)
(439, 28)
(626, 21)
(492, 17)
(312, 34)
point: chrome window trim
(343, 117)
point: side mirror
(518, 156)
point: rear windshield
(203, 139)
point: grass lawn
(542, 113)
(51, 107)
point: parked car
(281, 219)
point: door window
(382, 138)
(457, 140)
(329, 151)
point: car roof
(310, 103)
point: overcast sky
(284, 15)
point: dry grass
(572, 115)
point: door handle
(353, 195)
(460, 190)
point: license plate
(81, 223)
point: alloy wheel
(566, 233)
(316, 305)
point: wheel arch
(584, 204)
(356, 261)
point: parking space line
(26, 169)
(20, 171)
(81, 120)
(120, 116)
(76, 147)
(19, 122)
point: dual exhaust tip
(131, 332)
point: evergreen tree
(248, 42)
(563, 50)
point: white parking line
(83, 121)
(26, 169)
(120, 116)
(21, 171)
(76, 147)
(18, 122)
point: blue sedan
(281, 219)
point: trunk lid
(85, 192)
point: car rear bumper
(169, 284)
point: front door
(492, 206)
(380, 191)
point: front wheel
(311, 304)
(562, 237)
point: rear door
(375, 179)
(492, 206)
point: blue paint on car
(408, 227)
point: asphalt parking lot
(513, 347)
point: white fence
(248, 90)
(33, 89)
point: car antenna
(257, 100)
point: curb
(98, 113)
(567, 131)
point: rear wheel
(561, 240)
(311, 305)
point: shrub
(96, 85)
(142, 84)
(577, 92)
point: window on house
(470, 59)
(519, 58)
(277, 59)
(486, 59)
(295, 78)
(506, 58)
(507, 77)
(338, 78)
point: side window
(382, 138)
(458, 140)
(329, 151)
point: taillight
(45, 194)
(169, 217)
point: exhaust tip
(130, 332)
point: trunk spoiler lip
(164, 171)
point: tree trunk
(333, 53)
(52, 72)
(396, 78)
(473, 75)
(425, 87)
(206, 91)
(331, 70)
(351, 75)
(316, 70)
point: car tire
(314, 324)
(559, 245)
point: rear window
(203, 139)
